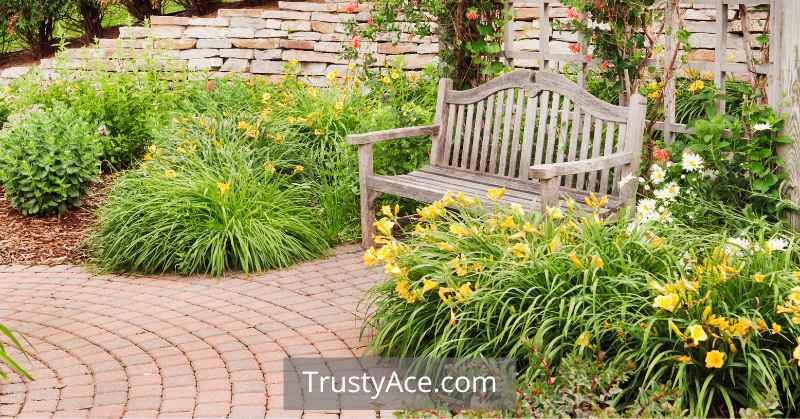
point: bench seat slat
(429, 185)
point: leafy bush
(48, 161)
(197, 7)
(582, 387)
(142, 9)
(207, 203)
(34, 21)
(738, 160)
(471, 284)
(125, 109)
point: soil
(27, 58)
(49, 240)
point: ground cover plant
(709, 313)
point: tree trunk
(91, 18)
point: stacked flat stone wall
(261, 42)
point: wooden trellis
(779, 50)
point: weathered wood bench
(537, 134)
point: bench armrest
(391, 134)
(549, 171)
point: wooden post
(544, 34)
(787, 34)
(721, 50)
(671, 15)
(508, 33)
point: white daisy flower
(664, 215)
(762, 127)
(736, 245)
(657, 174)
(647, 210)
(776, 245)
(691, 162)
(669, 191)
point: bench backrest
(525, 118)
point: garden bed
(49, 240)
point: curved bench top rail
(535, 82)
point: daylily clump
(473, 278)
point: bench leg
(550, 193)
(368, 198)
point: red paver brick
(110, 345)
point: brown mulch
(49, 240)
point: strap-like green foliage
(48, 161)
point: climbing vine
(470, 33)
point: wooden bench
(537, 134)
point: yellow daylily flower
(575, 261)
(390, 212)
(459, 230)
(393, 269)
(584, 340)
(464, 291)
(667, 302)
(597, 262)
(443, 294)
(447, 247)
(384, 226)
(759, 278)
(683, 359)
(428, 284)
(169, 173)
(223, 187)
(508, 223)
(495, 194)
(775, 329)
(521, 251)
(555, 213)
(297, 169)
(715, 359)
(371, 257)
(270, 168)
(697, 333)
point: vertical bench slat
(496, 130)
(447, 149)
(544, 106)
(458, 137)
(527, 140)
(586, 138)
(467, 143)
(608, 148)
(483, 161)
(619, 146)
(515, 140)
(551, 130)
(573, 141)
(596, 150)
(476, 137)
(508, 114)
(562, 134)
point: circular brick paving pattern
(133, 346)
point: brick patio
(167, 346)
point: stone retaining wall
(261, 42)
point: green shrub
(198, 7)
(470, 284)
(207, 203)
(48, 161)
(34, 21)
(125, 109)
